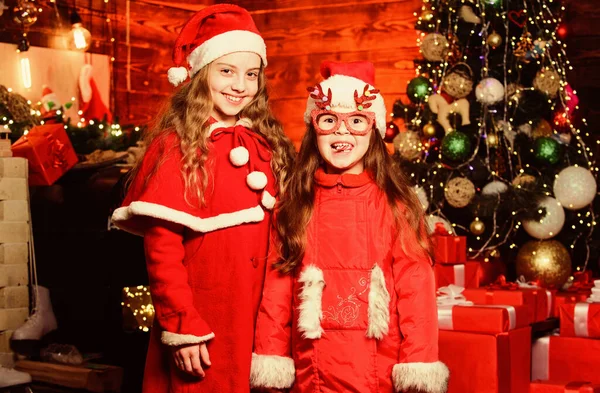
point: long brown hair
(296, 207)
(188, 112)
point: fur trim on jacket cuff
(270, 371)
(175, 339)
(424, 377)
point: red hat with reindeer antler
(348, 85)
(213, 32)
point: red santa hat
(349, 85)
(211, 33)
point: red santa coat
(360, 313)
(206, 265)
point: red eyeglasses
(327, 122)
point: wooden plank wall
(299, 35)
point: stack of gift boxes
(485, 333)
(574, 353)
(14, 238)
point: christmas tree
(492, 137)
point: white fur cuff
(175, 339)
(270, 371)
(424, 377)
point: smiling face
(342, 151)
(233, 83)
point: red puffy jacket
(359, 314)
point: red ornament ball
(390, 132)
(562, 121)
(562, 31)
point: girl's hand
(190, 358)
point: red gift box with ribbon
(49, 152)
(489, 319)
(510, 293)
(561, 387)
(456, 313)
(580, 320)
(566, 359)
(464, 275)
(487, 363)
(448, 248)
(579, 291)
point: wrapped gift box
(49, 152)
(580, 320)
(566, 359)
(464, 275)
(487, 363)
(535, 299)
(482, 319)
(560, 298)
(449, 249)
(561, 387)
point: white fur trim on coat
(423, 377)
(268, 200)
(174, 339)
(224, 44)
(225, 220)
(379, 305)
(256, 180)
(342, 95)
(239, 156)
(270, 371)
(244, 121)
(310, 309)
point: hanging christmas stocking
(90, 102)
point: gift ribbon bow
(523, 283)
(56, 151)
(581, 281)
(440, 230)
(452, 295)
(502, 283)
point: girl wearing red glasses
(349, 300)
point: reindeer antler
(322, 101)
(362, 102)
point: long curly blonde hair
(188, 112)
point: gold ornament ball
(546, 260)
(429, 130)
(523, 179)
(492, 140)
(543, 128)
(427, 15)
(477, 227)
(494, 40)
(459, 192)
(408, 145)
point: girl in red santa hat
(350, 305)
(201, 198)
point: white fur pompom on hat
(177, 75)
(212, 32)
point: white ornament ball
(494, 188)
(551, 224)
(575, 187)
(432, 220)
(489, 91)
(422, 195)
(256, 180)
(239, 156)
